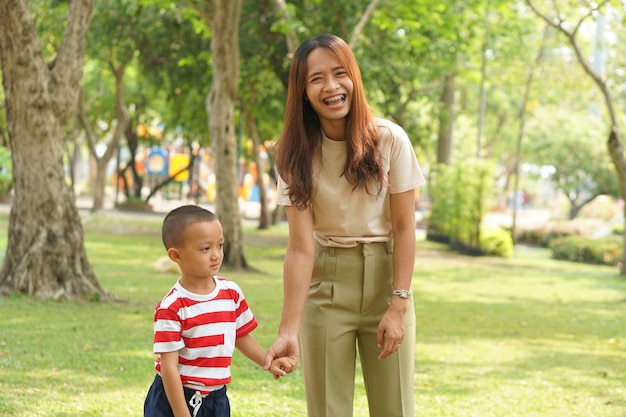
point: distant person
(199, 323)
(518, 200)
(348, 182)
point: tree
(45, 252)
(174, 60)
(261, 109)
(120, 126)
(428, 46)
(615, 143)
(530, 71)
(223, 17)
(581, 176)
(111, 49)
(4, 136)
(175, 63)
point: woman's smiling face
(328, 86)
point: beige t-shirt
(343, 217)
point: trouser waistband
(195, 402)
(359, 249)
(220, 392)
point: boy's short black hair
(177, 220)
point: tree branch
(362, 22)
(283, 13)
(571, 37)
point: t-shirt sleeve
(404, 171)
(282, 196)
(245, 321)
(167, 331)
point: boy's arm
(251, 348)
(173, 385)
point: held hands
(283, 366)
(283, 354)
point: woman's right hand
(283, 346)
(297, 271)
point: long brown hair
(301, 138)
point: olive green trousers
(349, 294)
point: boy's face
(202, 252)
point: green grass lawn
(527, 336)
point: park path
(526, 218)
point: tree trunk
(265, 218)
(530, 76)
(291, 37)
(134, 189)
(220, 104)
(482, 104)
(122, 123)
(445, 142)
(45, 251)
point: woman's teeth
(334, 100)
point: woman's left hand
(391, 328)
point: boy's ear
(174, 255)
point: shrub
(460, 196)
(496, 242)
(534, 237)
(542, 236)
(603, 251)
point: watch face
(402, 293)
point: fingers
(286, 364)
(391, 345)
(282, 356)
(388, 351)
(390, 334)
(283, 366)
(380, 338)
(269, 357)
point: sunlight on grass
(526, 336)
(529, 336)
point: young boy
(199, 323)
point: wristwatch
(404, 294)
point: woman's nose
(331, 84)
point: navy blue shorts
(215, 404)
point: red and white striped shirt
(203, 329)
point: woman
(348, 180)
